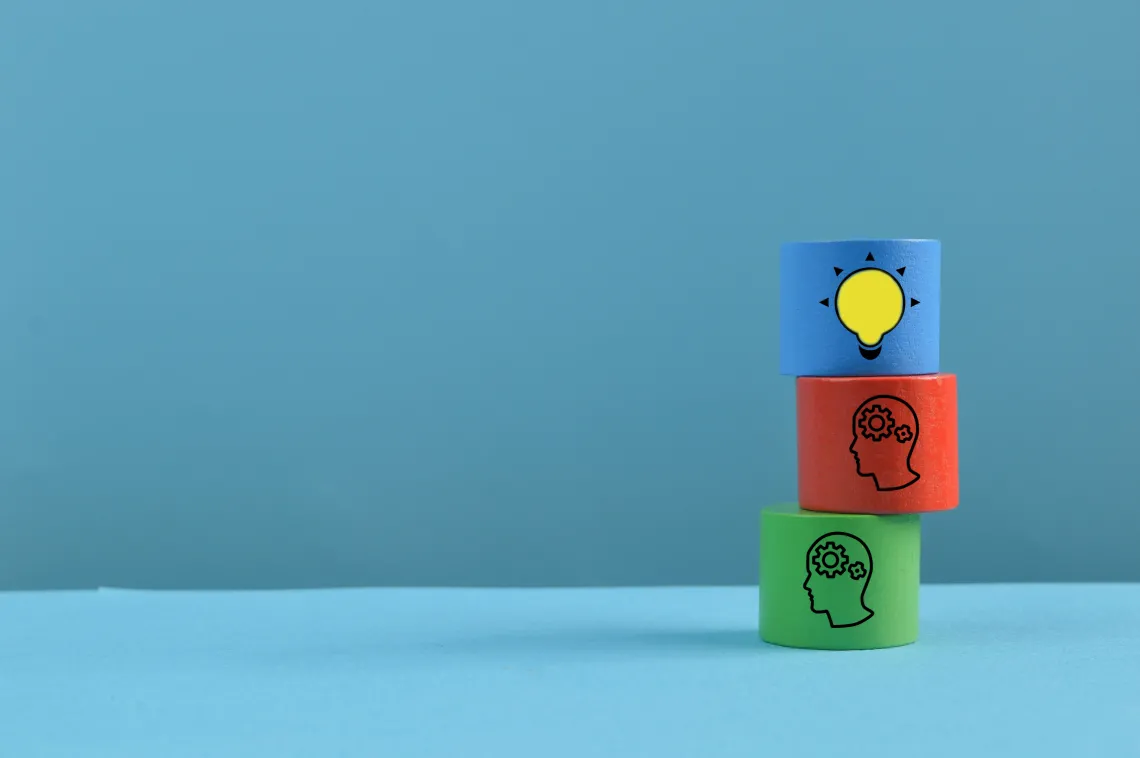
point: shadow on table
(699, 642)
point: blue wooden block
(860, 307)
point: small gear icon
(876, 422)
(904, 434)
(830, 560)
(857, 570)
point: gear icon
(904, 434)
(830, 560)
(857, 570)
(876, 422)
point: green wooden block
(838, 581)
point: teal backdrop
(444, 292)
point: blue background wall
(299, 294)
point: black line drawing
(839, 568)
(868, 351)
(870, 334)
(885, 430)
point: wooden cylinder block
(837, 581)
(860, 307)
(879, 445)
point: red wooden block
(878, 444)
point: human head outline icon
(839, 569)
(884, 431)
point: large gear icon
(876, 422)
(830, 560)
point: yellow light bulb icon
(869, 304)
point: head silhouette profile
(838, 572)
(885, 430)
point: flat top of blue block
(999, 670)
(864, 241)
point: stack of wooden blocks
(877, 443)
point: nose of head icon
(838, 572)
(885, 430)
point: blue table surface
(1010, 670)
